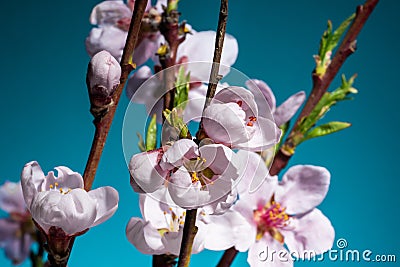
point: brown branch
(320, 86)
(321, 83)
(228, 257)
(189, 232)
(169, 28)
(164, 260)
(103, 124)
(214, 76)
(219, 44)
(190, 229)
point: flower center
(270, 218)
(251, 121)
(199, 172)
(174, 222)
(53, 187)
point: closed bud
(102, 78)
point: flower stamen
(270, 218)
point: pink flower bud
(102, 78)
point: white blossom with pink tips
(234, 119)
(274, 214)
(60, 201)
(113, 19)
(161, 229)
(195, 176)
(284, 212)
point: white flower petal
(108, 38)
(253, 171)
(109, 12)
(206, 41)
(73, 212)
(11, 198)
(199, 239)
(135, 234)
(18, 248)
(235, 94)
(172, 242)
(221, 230)
(174, 156)
(303, 187)
(266, 134)
(287, 109)
(185, 194)
(262, 93)
(146, 49)
(32, 181)
(8, 229)
(153, 238)
(66, 179)
(195, 103)
(153, 211)
(312, 231)
(248, 202)
(225, 124)
(145, 171)
(107, 203)
(221, 160)
(268, 252)
(135, 81)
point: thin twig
(228, 257)
(320, 86)
(214, 75)
(169, 28)
(219, 44)
(103, 125)
(190, 230)
(321, 83)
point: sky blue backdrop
(45, 117)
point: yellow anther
(56, 184)
(162, 50)
(194, 177)
(170, 209)
(184, 213)
(186, 29)
(51, 186)
(61, 191)
(165, 212)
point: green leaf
(284, 128)
(151, 136)
(327, 101)
(181, 88)
(329, 41)
(141, 145)
(175, 119)
(172, 5)
(325, 129)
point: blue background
(45, 111)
